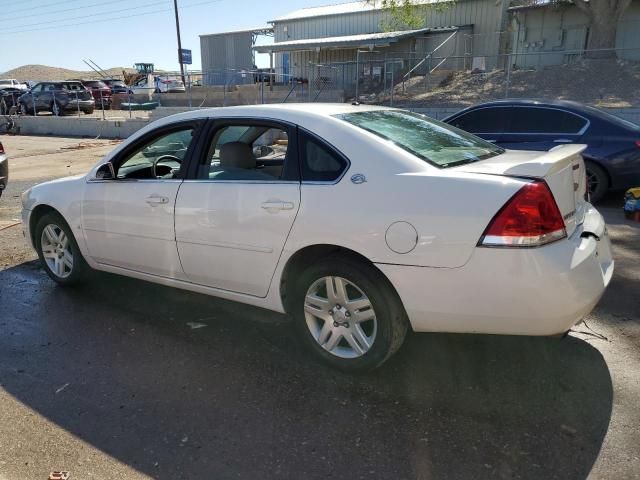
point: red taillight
(531, 218)
(1, 148)
(637, 142)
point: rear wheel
(597, 181)
(347, 314)
(58, 250)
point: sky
(119, 33)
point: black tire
(597, 181)
(392, 322)
(57, 109)
(79, 269)
(88, 111)
(26, 110)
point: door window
(37, 88)
(318, 161)
(160, 157)
(244, 152)
(543, 120)
(483, 120)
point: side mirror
(106, 172)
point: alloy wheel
(340, 317)
(56, 251)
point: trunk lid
(561, 167)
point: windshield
(435, 142)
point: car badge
(358, 178)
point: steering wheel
(154, 165)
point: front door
(235, 213)
(129, 222)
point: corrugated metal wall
(542, 36)
(223, 53)
(486, 16)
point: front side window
(247, 152)
(483, 120)
(430, 140)
(161, 157)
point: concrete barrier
(79, 127)
(122, 128)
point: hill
(39, 73)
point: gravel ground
(109, 381)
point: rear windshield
(96, 84)
(435, 142)
(621, 122)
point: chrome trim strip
(235, 246)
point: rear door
(236, 209)
(541, 128)
(485, 122)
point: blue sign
(185, 56)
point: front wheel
(348, 314)
(58, 250)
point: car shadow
(151, 386)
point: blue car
(613, 154)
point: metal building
(339, 43)
(552, 34)
(226, 56)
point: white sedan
(359, 222)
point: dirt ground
(109, 380)
(582, 82)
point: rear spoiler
(546, 164)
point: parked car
(57, 98)
(169, 85)
(116, 86)
(358, 221)
(4, 169)
(100, 92)
(12, 83)
(9, 98)
(612, 156)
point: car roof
(576, 107)
(282, 111)
(534, 102)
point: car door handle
(157, 200)
(491, 140)
(562, 140)
(276, 205)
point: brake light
(531, 218)
(1, 148)
(637, 142)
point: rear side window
(483, 120)
(319, 162)
(543, 120)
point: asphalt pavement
(119, 378)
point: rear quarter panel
(448, 209)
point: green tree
(603, 16)
(405, 14)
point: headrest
(237, 155)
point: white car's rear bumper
(537, 291)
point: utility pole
(175, 5)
